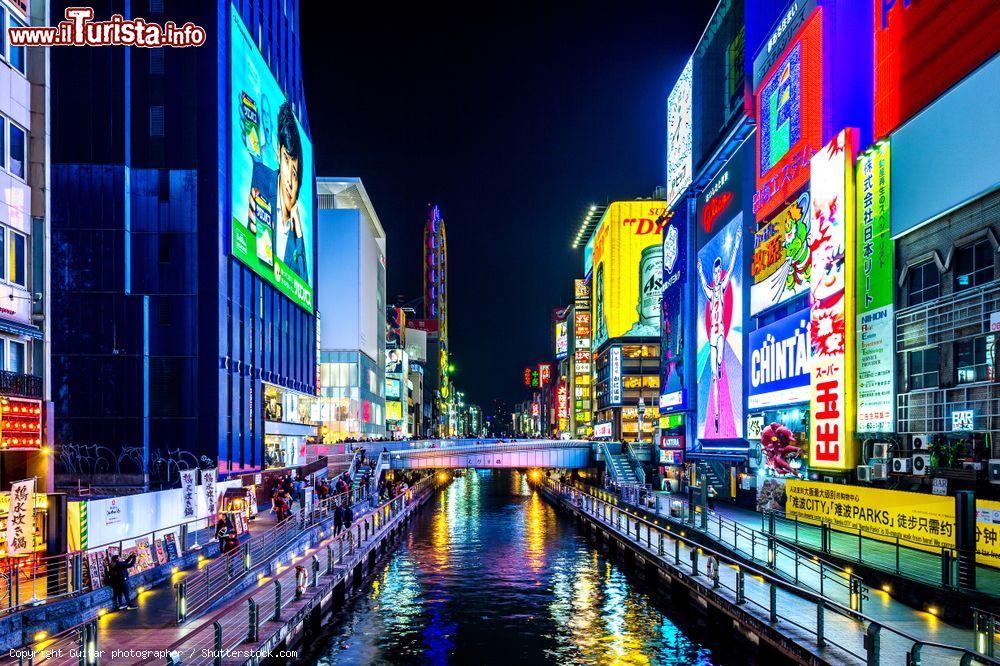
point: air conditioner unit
(994, 468)
(880, 472)
(864, 473)
(921, 442)
(922, 463)
(880, 450)
(902, 465)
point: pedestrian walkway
(794, 605)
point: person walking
(348, 517)
(118, 580)
(338, 520)
(712, 492)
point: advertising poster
(679, 133)
(562, 339)
(832, 305)
(187, 492)
(416, 345)
(920, 520)
(720, 334)
(875, 283)
(780, 267)
(779, 362)
(672, 312)
(627, 275)
(789, 119)
(272, 174)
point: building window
(15, 55)
(156, 61)
(923, 283)
(923, 369)
(163, 248)
(17, 271)
(156, 120)
(18, 150)
(16, 357)
(974, 265)
(974, 360)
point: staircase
(717, 477)
(620, 469)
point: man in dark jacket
(338, 520)
(348, 517)
(118, 580)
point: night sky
(513, 120)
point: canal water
(489, 573)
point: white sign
(21, 518)
(616, 375)
(679, 134)
(994, 322)
(187, 493)
(755, 426)
(209, 477)
(113, 513)
(603, 429)
(961, 419)
(940, 487)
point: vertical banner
(616, 376)
(672, 312)
(832, 304)
(209, 478)
(875, 282)
(187, 493)
(21, 518)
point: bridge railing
(745, 590)
(496, 447)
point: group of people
(284, 493)
(225, 533)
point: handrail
(530, 445)
(637, 468)
(777, 582)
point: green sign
(876, 286)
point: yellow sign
(627, 263)
(919, 520)
(393, 410)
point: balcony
(952, 317)
(929, 411)
(19, 385)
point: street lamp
(641, 410)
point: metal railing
(633, 459)
(764, 593)
(898, 555)
(527, 445)
(20, 385)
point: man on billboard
(715, 293)
(290, 244)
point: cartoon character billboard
(720, 334)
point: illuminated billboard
(679, 166)
(832, 304)
(272, 174)
(779, 362)
(875, 345)
(924, 48)
(789, 119)
(779, 268)
(720, 334)
(626, 267)
(672, 312)
(723, 195)
(561, 327)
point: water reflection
(489, 573)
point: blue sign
(672, 389)
(779, 362)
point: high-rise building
(185, 274)
(436, 309)
(353, 339)
(25, 391)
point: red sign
(535, 409)
(789, 119)
(562, 400)
(581, 328)
(527, 377)
(544, 374)
(428, 325)
(21, 424)
(923, 48)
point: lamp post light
(641, 410)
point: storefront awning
(17, 328)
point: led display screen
(679, 166)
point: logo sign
(875, 344)
(779, 362)
(679, 162)
(21, 518)
(562, 339)
(113, 515)
(616, 375)
(603, 429)
(544, 374)
(724, 194)
(527, 377)
(780, 264)
(832, 304)
(789, 119)
(581, 291)
(670, 249)
(962, 420)
(787, 26)
(755, 426)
